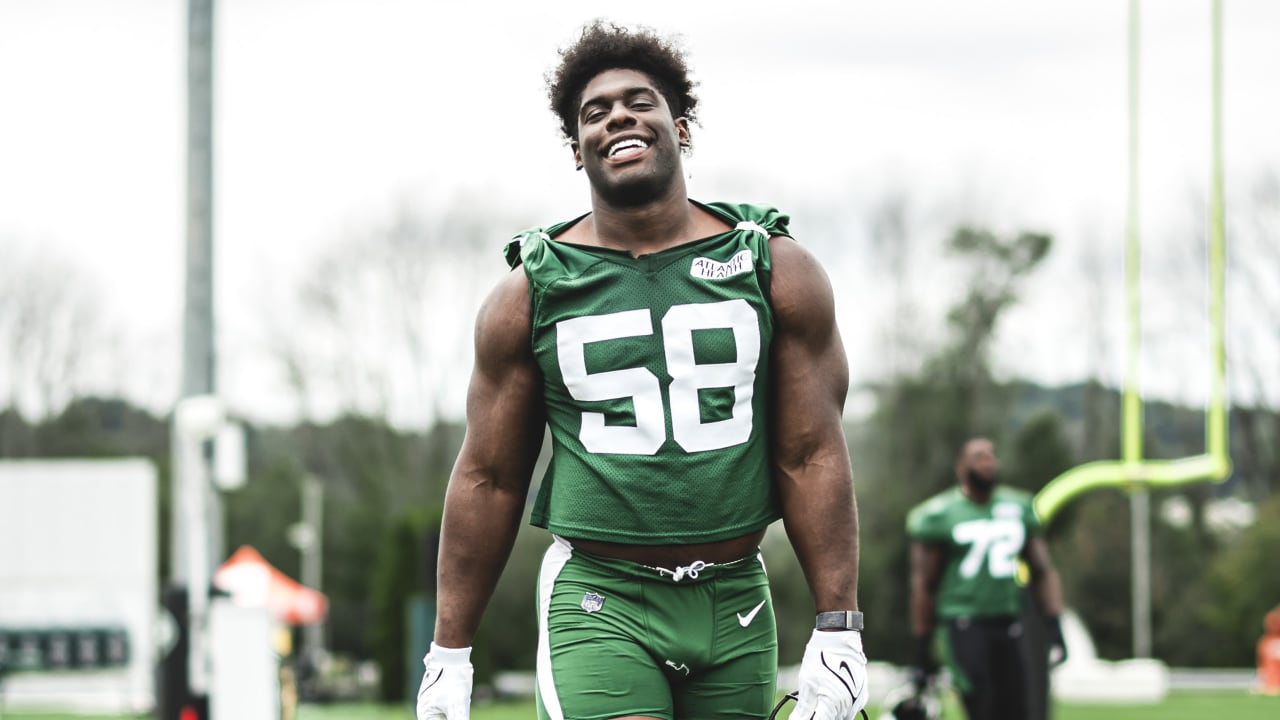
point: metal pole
(312, 558)
(198, 560)
(1131, 434)
(197, 527)
(1140, 517)
(198, 366)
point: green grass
(1178, 706)
(1182, 706)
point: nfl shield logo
(592, 602)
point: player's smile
(628, 142)
(625, 149)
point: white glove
(833, 677)
(445, 693)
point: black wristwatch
(839, 620)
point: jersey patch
(592, 602)
(708, 269)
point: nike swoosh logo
(745, 620)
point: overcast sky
(332, 113)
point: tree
(394, 581)
(1242, 586)
(922, 416)
(381, 323)
(374, 347)
(1253, 304)
(1039, 452)
(51, 331)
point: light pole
(196, 421)
(308, 537)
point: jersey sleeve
(523, 246)
(766, 218)
(927, 523)
(1032, 519)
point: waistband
(985, 621)
(697, 571)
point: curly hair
(606, 46)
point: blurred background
(962, 171)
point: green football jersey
(655, 377)
(981, 545)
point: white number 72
(995, 541)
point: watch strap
(839, 620)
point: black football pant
(991, 655)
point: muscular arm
(926, 574)
(1044, 577)
(811, 459)
(490, 480)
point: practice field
(1179, 706)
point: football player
(686, 359)
(965, 551)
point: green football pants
(617, 638)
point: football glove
(907, 702)
(1057, 643)
(925, 667)
(833, 677)
(445, 693)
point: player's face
(979, 462)
(627, 140)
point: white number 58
(643, 387)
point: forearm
(1045, 584)
(1048, 593)
(478, 530)
(926, 571)
(922, 608)
(821, 518)
(811, 457)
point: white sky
(329, 113)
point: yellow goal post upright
(1134, 473)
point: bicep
(1036, 554)
(810, 370)
(926, 565)
(505, 417)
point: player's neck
(665, 222)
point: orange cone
(1269, 654)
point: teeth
(625, 144)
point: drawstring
(685, 570)
(691, 571)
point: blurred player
(966, 543)
(686, 358)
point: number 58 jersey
(655, 372)
(981, 544)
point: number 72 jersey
(981, 544)
(655, 378)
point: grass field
(1178, 706)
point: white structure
(245, 682)
(78, 551)
(1084, 678)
